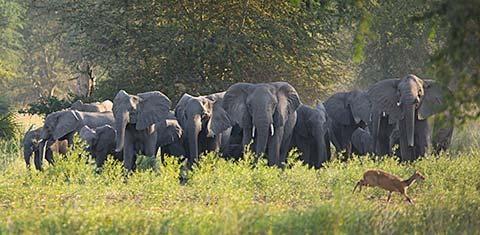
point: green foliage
(47, 105)
(8, 125)
(11, 14)
(237, 197)
(200, 47)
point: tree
(203, 47)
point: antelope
(389, 182)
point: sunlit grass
(235, 197)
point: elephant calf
(310, 135)
(362, 142)
(101, 142)
(31, 145)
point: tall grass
(224, 197)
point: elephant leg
(247, 136)
(37, 160)
(383, 137)
(49, 156)
(422, 138)
(327, 146)
(129, 152)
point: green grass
(222, 197)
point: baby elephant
(101, 142)
(362, 142)
(31, 145)
(389, 182)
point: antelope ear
(67, 122)
(384, 97)
(181, 107)
(234, 103)
(153, 107)
(433, 99)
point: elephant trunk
(261, 138)
(120, 126)
(410, 124)
(321, 150)
(194, 126)
(38, 159)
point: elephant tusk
(44, 149)
(384, 114)
(272, 130)
(399, 103)
(253, 132)
(75, 115)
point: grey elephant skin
(135, 120)
(310, 135)
(31, 145)
(347, 111)
(266, 113)
(204, 121)
(62, 125)
(105, 106)
(362, 142)
(405, 102)
(169, 137)
(101, 143)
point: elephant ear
(180, 108)
(288, 101)
(88, 134)
(384, 97)
(234, 103)
(170, 132)
(153, 107)
(337, 108)
(220, 121)
(76, 105)
(433, 99)
(360, 106)
(67, 122)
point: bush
(227, 197)
(47, 105)
(8, 125)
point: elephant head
(141, 110)
(100, 140)
(58, 124)
(201, 116)
(260, 109)
(349, 108)
(170, 132)
(311, 127)
(31, 141)
(406, 100)
(362, 141)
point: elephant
(347, 111)
(31, 145)
(422, 139)
(101, 143)
(266, 113)
(135, 119)
(362, 142)
(310, 135)
(443, 127)
(204, 121)
(62, 125)
(105, 106)
(169, 137)
(405, 102)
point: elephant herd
(269, 116)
